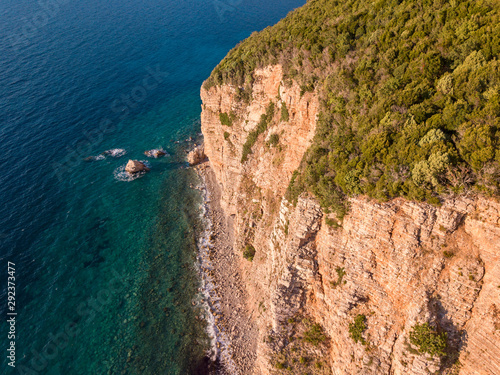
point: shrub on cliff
(284, 113)
(409, 94)
(226, 119)
(249, 252)
(428, 340)
(274, 139)
(314, 335)
(357, 328)
(265, 119)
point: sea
(98, 270)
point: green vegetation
(340, 275)
(265, 119)
(314, 335)
(428, 340)
(332, 222)
(226, 119)
(409, 93)
(357, 328)
(448, 254)
(226, 135)
(274, 139)
(249, 252)
(304, 348)
(284, 112)
(279, 365)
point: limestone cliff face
(398, 263)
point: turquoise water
(105, 268)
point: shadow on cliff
(457, 339)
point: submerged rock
(197, 155)
(134, 166)
(155, 153)
(114, 152)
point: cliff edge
(395, 264)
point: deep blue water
(104, 268)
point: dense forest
(409, 90)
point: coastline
(229, 320)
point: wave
(220, 343)
(114, 153)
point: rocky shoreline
(234, 331)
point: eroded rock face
(197, 155)
(135, 166)
(405, 263)
(401, 262)
(270, 167)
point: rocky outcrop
(135, 166)
(197, 155)
(397, 263)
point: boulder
(135, 166)
(197, 155)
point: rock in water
(134, 166)
(115, 152)
(155, 153)
(197, 155)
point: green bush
(284, 112)
(274, 140)
(429, 171)
(249, 252)
(340, 276)
(314, 335)
(226, 119)
(332, 222)
(428, 340)
(226, 135)
(357, 328)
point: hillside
(409, 94)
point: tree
(428, 340)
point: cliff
(397, 264)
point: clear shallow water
(105, 268)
